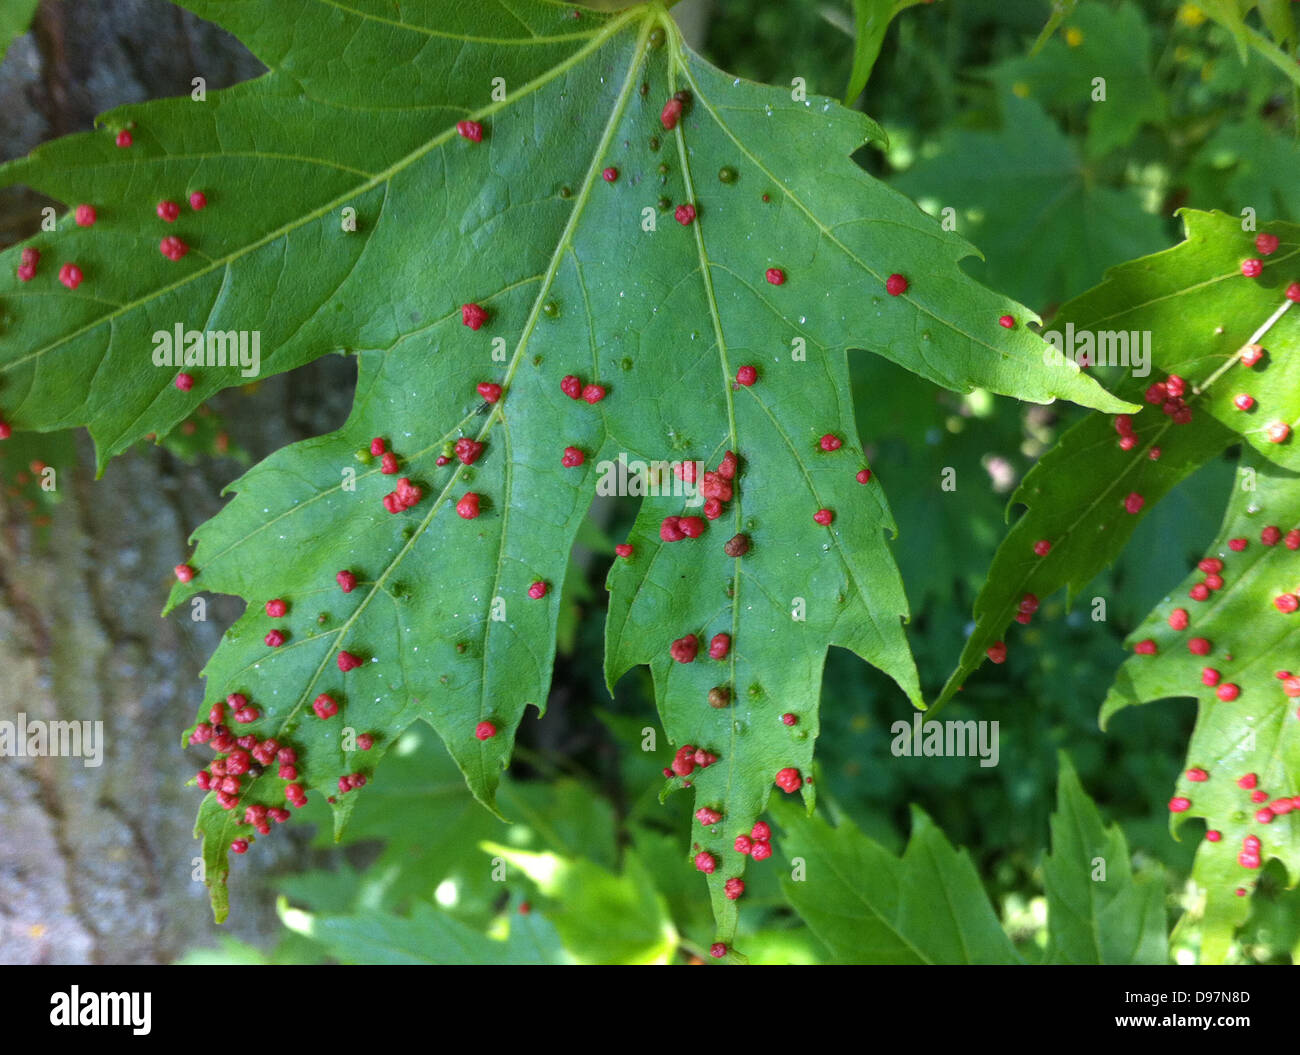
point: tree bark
(96, 863)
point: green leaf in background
(1262, 168)
(1097, 916)
(1061, 10)
(1023, 193)
(869, 907)
(870, 20)
(15, 18)
(1099, 41)
(1230, 655)
(1200, 311)
(601, 916)
(427, 936)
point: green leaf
(1249, 641)
(1097, 910)
(1023, 192)
(602, 917)
(576, 280)
(869, 907)
(427, 936)
(870, 20)
(1200, 311)
(15, 17)
(1111, 43)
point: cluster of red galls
(1250, 856)
(1179, 619)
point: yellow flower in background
(1074, 36)
(1020, 90)
(1190, 15)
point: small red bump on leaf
(1266, 243)
(1199, 646)
(670, 530)
(1199, 592)
(489, 391)
(1293, 292)
(485, 730)
(85, 216)
(471, 130)
(239, 846)
(468, 450)
(274, 638)
(864, 476)
(705, 862)
(325, 706)
(685, 214)
(70, 275)
(1287, 603)
(1251, 354)
(346, 580)
(684, 649)
(717, 950)
(538, 590)
(1248, 781)
(1178, 619)
(761, 832)
(198, 201)
(707, 817)
(719, 646)
(1007, 322)
(388, 465)
(610, 174)
(1197, 775)
(571, 386)
(1145, 647)
(1228, 691)
(670, 114)
(1178, 804)
(623, 549)
(173, 248)
(744, 844)
(168, 211)
(1252, 268)
(733, 888)
(124, 139)
(1277, 432)
(1271, 535)
(1243, 401)
(276, 608)
(761, 851)
(830, 442)
(1042, 547)
(896, 285)
(572, 457)
(593, 394)
(997, 652)
(1237, 544)
(775, 276)
(1213, 836)
(690, 527)
(1134, 503)
(467, 507)
(347, 661)
(473, 315)
(789, 780)
(184, 572)
(823, 517)
(789, 719)
(746, 376)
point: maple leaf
(1235, 653)
(1199, 312)
(513, 167)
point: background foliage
(1053, 191)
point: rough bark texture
(95, 863)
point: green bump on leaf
(870, 907)
(1259, 731)
(1097, 912)
(517, 221)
